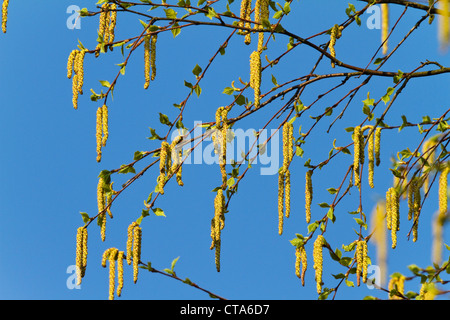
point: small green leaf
(105, 83)
(170, 13)
(85, 217)
(159, 212)
(197, 70)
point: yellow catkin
(318, 261)
(112, 272)
(377, 141)
(411, 191)
(255, 76)
(371, 155)
(443, 184)
(394, 215)
(112, 22)
(137, 239)
(176, 156)
(102, 26)
(384, 26)
(245, 11)
(105, 133)
(444, 24)
(99, 132)
(356, 154)
(164, 159)
(287, 193)
(70, 63)
(217, 225)
(119, 273)
(388, 209)
(428, 291)
(301, 263)
(153, 55)
(101, 204)
(365, 261)
(308, 195)
(281, 179)
(78, 78)
(261, 13)
(439, 219)
(223, 145)
(147, 67)
(379, 237)
(80, 255)
(105, 257)
(130, 233)
(416, 211)
(85, 251)
(79, 69)
(4, 14)
(359, 261)
(287, 158)
(397, 283)
(336, 33)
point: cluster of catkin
(373, 150)
(361, 257)
(75, 71)
(301, 263)
(101, 129)
(335, 33)
(318, 261)
(217, 224)
(134, 240)
(81, 253)
(169, 163)
(150, 58)
(284, 176)
(384, 26)
(115, 257)
(4, 14)
(397, 283)
(107, 25)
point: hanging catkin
(308, 195)
(444, 23)
(357, 154)
(336, 32)
(255, 76)
(318, 261)
(384, 26)
(4, 14)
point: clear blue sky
(49, 173)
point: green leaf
(324, 205)
(164, 119)
(126, 169)
(85, 217)
(138, 155)
(170, 13)
(105, 83)
(176, 30)
(197, 70)
(172, 266)
(330, 215)
(159, 212)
